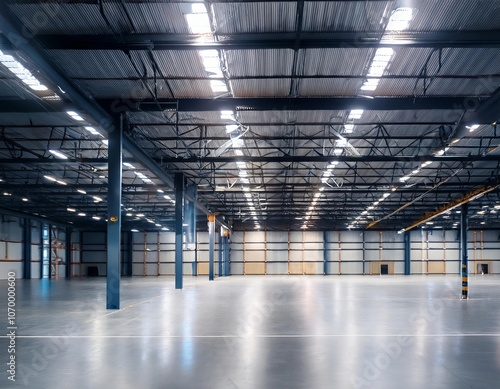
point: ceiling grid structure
(275, 157)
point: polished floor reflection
(258, 332)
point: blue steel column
(211, 246)
(68, 256)
(179, 211)
(129, 254)
(225, 241)
(114, 217)
(220, 252)
(463, 247)
(195, 269)
(27, 249)
(325, 252)
(43, 246)
(49, 251)
(407, 253)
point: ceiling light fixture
(75, 116)
(198, 21)
(400, 19)
(58, 154)
(21, 72)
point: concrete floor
(257, 332)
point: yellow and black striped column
(463, 249)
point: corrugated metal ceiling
(456, 15)
(112, 75)
(344, 15)
(236, 18)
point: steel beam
(114, 200)
(289, 104)
(453, 204)
(262, 41)
(463, 249)
(343, 158)
(286, 158)
(179, 218)
(243, 104)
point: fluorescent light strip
(218, 86)
(75, 116)
(92, 130)
(349, 128)
(58, 154)
(400, 19)
(198, 23)
(21, 72)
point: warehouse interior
(307, 191)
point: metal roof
(302, 64)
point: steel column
(225, 245)
(463, 248)
(211, 245)
(27, 249)
(179, 218)
(407, 253)
(114, 218)
(41, 249)
(195, 264)
(49, 250)
(68, 252)
(220, 252)
(325, 253)
(127, 271)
